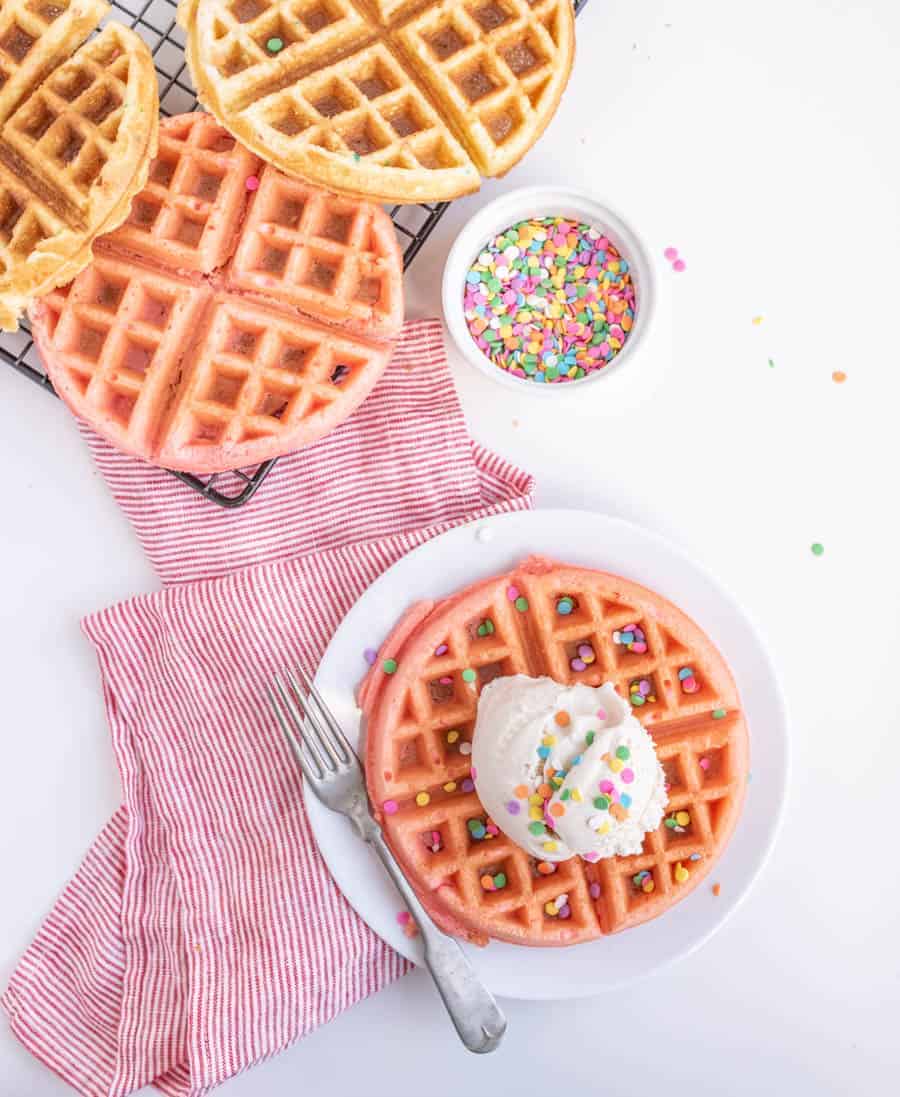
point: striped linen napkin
(202, 932)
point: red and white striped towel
(202, 933)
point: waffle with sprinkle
(78, 126)
(544, 618)
(237, 314)
(400, 100)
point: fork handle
(471, 1005)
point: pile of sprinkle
(550, 300)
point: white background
(761, 140)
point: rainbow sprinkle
(550, 300)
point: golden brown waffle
(236, 315)
(400, 100)
(78, 128)
(420, 720)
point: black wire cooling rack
(154, 20)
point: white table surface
(761, 140)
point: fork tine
(333, 726)
(297, 721)
(310, 770)
(314, 729)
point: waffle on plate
(419, 727)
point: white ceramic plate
(477, 551)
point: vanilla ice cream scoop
(566, 770)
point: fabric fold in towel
(203, 933)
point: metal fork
(333, 772)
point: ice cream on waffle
(78, 126)
(401, 100)
(574, 626)
(565, 771)
(236, 315)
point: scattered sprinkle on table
(757, 320)
(816, 548)
(717, 889)
(550, 300)
(839, 377)
(370, 655)
(771, 364)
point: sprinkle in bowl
(564, 282)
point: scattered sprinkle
(513, 807)
(563, 719)
(632, 638)
(640, 692)
(688, 680)
(467, 784)
(839, 377)
(671, 254)
(274, 45)
(719, 713)
(390, 807)
(251, 182)
(757, 320)
(465, 747)
(423, 799)
(370, 655)
(565, 606)
(522, 604)
(681, 873)
(484, 534)
(403, 916)
(512, 593)
(441, 649)
(594, 890)
(468, 675)
(717, 889)
(546, 868)
(771, 363)
(816, 548)
(452, 736)
(679, 265)
(389, 666)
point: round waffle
(400, 100)
(190, 340)
(420, 720)
(78, 128)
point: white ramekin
(545, 201)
